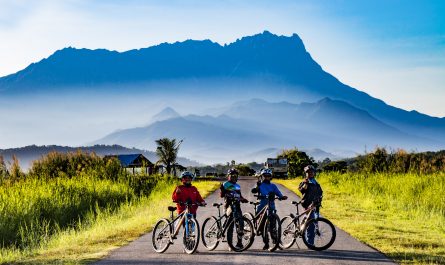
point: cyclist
(230, 190)
(187, 192)
(264, 188)
(311, 191)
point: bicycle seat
(172, 208)
(296, 203)
(217, 204)
(254, 203)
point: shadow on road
(226, 257)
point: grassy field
(402, 215)
(109, 218)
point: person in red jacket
(186, 192)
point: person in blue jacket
(264, 188)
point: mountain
(165, 114)
(264, 65)
(27, 154)
(256, 129)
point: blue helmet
(187, 174)
(266, 171)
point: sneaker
(266, 246)
(239, 245)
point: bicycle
(266, 223)
(165, 231)
(318, 233)
(214, 228)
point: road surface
(345, 250)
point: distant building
(132, 161)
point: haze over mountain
(254, 129)
(193, 74)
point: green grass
(99, 231)
(402, 215)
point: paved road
(345, 250)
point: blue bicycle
(165, 230)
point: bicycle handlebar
(191, 203)
(267, 197)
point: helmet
(309, 167)
(266, 171)
(232, 171)
(187, 174)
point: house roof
(132, 160)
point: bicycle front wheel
(209, 233)
(288, 230)
(272, 231)
(191, 236)
(319, 234)
(240, 234)
(161, 236)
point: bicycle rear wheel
(272, 231)
(240, 234)
(161, 236)
(288, 230)
(319, 234)
(209, 233)
(191, 236)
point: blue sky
(393, 50)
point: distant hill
(30, 153)
(256, 129)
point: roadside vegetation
(75, 208)
(392, 201)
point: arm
(278, 193)
(199, 198)
(256, 189)
(175, 195)
(222, 191)
(303, 187)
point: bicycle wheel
(161, 236)
(252, 220)
(319, 234)
(209, 233)
(272, 231)
(240, 236)
(288, 230)
(191, 236)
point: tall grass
(402, 215)
(32, 210)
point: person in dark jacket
(311, 191)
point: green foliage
(15, 172)
(167, 152)
(336, 166)
(399, 161)
(244, 170)
(297, 160)
(3, 170)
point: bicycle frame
(222, 227)
(259, 218)
(184, 216)
(308, 212)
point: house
(132, 161)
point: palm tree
(167, 152)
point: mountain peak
(165, 114)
